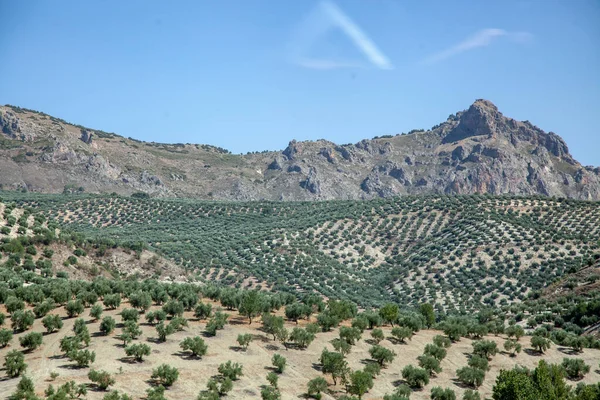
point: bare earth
(302, 365)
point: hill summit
(478, 150)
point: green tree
(22, 320)
(316, 386)
(301, 337)
(52, 322)
(14, 363)
(195, 345)
(390, 313)
(471, 395)
(165, 375)
(540, 343)
(5, 337)
(437, 393)
(333, 363)
(279, 363)
(575, 368)
(244, 340)
(512, 346)
(430, 364)
(471, 376)
(415, 377)
(381, 354)
(108, 324)
(231, 370)
(435, 351)
(101, 378)
(163, 331)
(377, 335)
(203, 311)
(272, 378)
(31, 340)
(74, 308)
(360, 383)
(401, 333)
(137, 351)
(427, 311)
(485, 348)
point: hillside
(85, 280)
(458, 252)
(475, 151)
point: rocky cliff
(478, 150)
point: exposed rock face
(475, 151)
(86, 136)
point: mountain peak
(485, 104)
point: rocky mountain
(474, 151)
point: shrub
(231, 370)
(194, 345)
(101, 378)
(415, 377)
(31, 340)
(165, 375)
(279, 363)
(138, 351)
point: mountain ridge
(478, 150)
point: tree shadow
(317, 367)
(272, 347)
(462, 385)
(372, 342)
(154, 340)
(72, 366)
(128, 360)
(532, 352)
(237, 349)
(567, 350)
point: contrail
(481, 38)
(325, 17)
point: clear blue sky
(253, 74)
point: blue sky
(251, 75)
